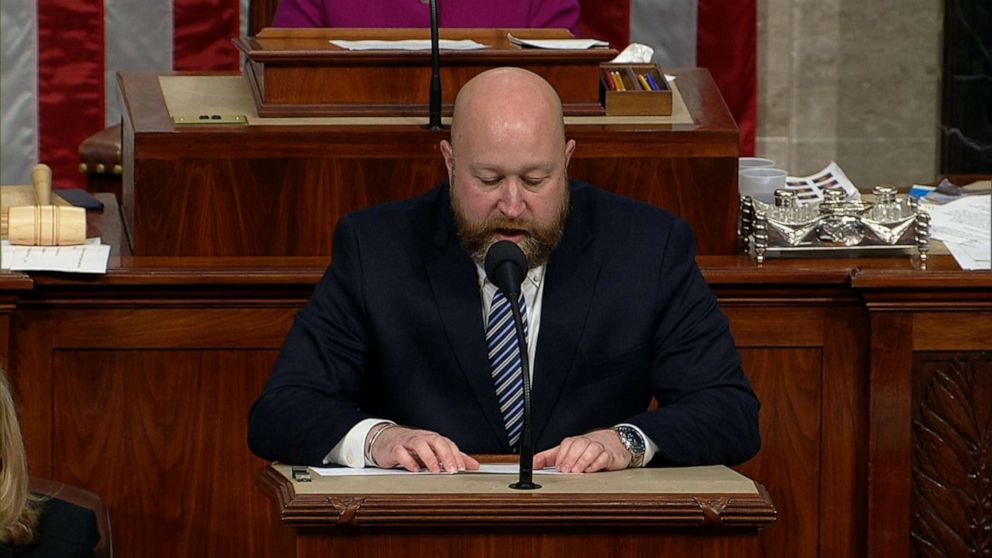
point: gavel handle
(41, 177)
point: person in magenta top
(416, 13)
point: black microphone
(434, 121)
(506, 266)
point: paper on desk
(408, 44)
(557, 44)
(485, 468)
(971, 256)
(963, 220)
(809, 189)
(90, 257)
(965, 227)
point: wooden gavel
(45, 224)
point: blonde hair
(19, 509)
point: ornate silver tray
(835, 227)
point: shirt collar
(534, 276)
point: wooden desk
(279, 190)
(136, 385)
(695, 511)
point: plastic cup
(761, 183)
(754, 163)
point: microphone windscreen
(505, 251)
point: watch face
(631, 439)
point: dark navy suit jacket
(394, 330)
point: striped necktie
(507, 368)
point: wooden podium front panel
(280, 190)
(522, 543)
(709, 511)
(298, 72)
(371, 90)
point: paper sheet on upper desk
(408, 44)
(967, 219)
(485, 468)
(971, 256)
(965, 227)
(90, 257)
(557, 44)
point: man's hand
(599, 450)
(416, 449)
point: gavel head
(46, 225)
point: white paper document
(485, 468)
(965, 227)
(407, 44)
(557, 44)
(90, 257)
(971, 256)
(809, 189)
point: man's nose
(511, 202)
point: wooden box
(635, 100)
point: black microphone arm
(434, 121)
(506, 266)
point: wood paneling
(143, 398)
(280, 190)
(136, 384)
(788, 383)
(497, 544)
(170, 459)
(889, 457)
(952, 454)
(844, 433)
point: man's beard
(537, 245)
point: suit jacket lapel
(568, 291)
(455, 283)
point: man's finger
(425, 453)
(405, 459)
(546, 458)
(566, 462)
(446, 452)
(593, 450)
(471, 464)
(599, 463)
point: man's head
(507, 163)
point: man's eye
(531, 181)
(490, 181)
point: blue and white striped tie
(504, 356)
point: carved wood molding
(544, 510)
(952, 457)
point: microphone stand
(434, 121)
(526, 481)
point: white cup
(754, 163)
(761, 183)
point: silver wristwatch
(634, 442)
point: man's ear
(448, 155)
(569, 149)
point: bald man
(388, 364)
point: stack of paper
(558, 44)
(407, 44)
(90, 257)
(964, 227)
